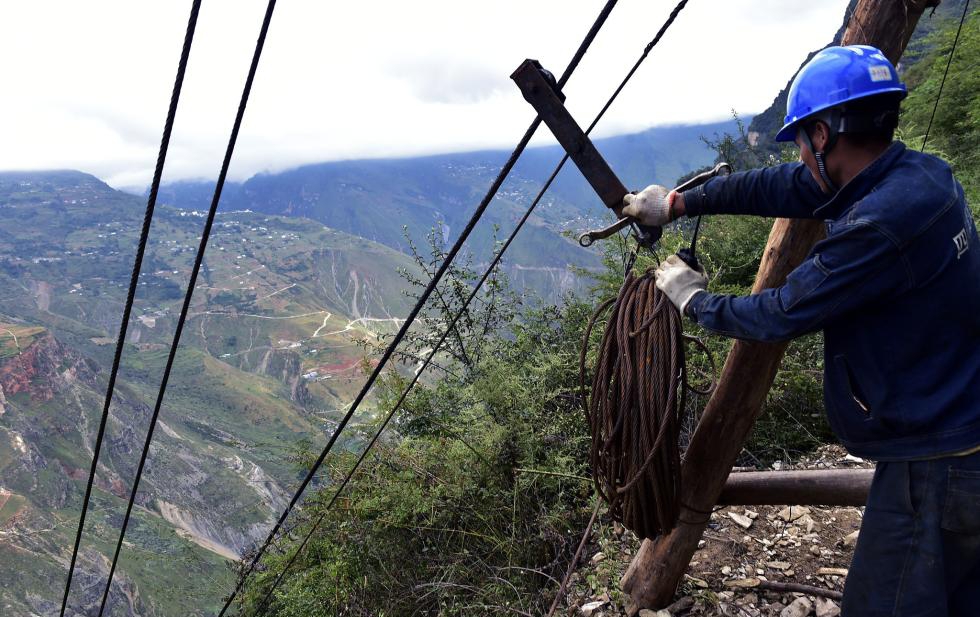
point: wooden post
(819, 487)
(750, 368)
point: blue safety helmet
(834, 77)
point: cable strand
(638, 393)
(949, 61)
(198, 260)
(133, 283)
(493, 264)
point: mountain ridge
(375, 198)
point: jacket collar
(861, 184)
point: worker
(895, 288)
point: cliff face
(194, 492)
(44, 369)
(45, 388)
(34, 382)
(282, 365)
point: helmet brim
(788, 132)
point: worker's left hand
(680, 281)
(651, 206)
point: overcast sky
(85, 85)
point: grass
(11, 507)
(14, 338)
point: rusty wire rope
(638, 392)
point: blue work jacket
(895, 287)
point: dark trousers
(918, 553)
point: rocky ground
(743, 549)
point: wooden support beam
(822, 487)
(750, 368)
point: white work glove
(680, 281)
(649, 206)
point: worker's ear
(819, 135)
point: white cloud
(448, 80)
(86, 85)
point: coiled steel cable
(639, 390)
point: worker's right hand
(650, 206)
(679, 281)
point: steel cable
(133, 283)
(198, 260)
(633, 408)
(942, 83)
(410, 319)
(486, 274)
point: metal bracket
(543, 95)
(541, 90)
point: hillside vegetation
(273, 351)
(473, 505)
(955, 132)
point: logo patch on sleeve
(962, 243)
(880, 73)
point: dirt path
(278, 291)
(227, 314)
(11, 333)
(322, 326)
